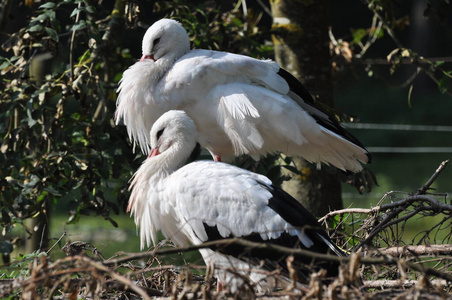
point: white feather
(239, 104)
(180, 200)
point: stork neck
(163, 66)
(170, 160)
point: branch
(127, 282)
(393, 209)
(435, 175)
(42, 273)
(403, 60)
(435, 205)
(71, 47)
(400, 283)
(348, 211)
(442, 249)
(297, 253)
(240, 242)
(417, 59)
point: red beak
(148, 57)
(154, 152)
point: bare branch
(442, 249)
(389, 260)
(435, 175)
(399, 283)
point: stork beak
(154, 152)
(148, 57)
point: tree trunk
(300, 37)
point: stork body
(239, 104)
(207, 201)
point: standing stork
(208, 201)
(240, 105)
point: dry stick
(297, 253)
(56, 243)
(443, 249)
(397, 283)
(435, 175)
(127, 282)
(114, 275)
(435, 205)
(400, 206)
(349, 211)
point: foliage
(59, 141)
(387, 23)
(59, 76)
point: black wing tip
(369, 157)
(330, 123)
(195, 153)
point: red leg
(221, 287)
(216, 158)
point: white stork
(207, 201)
(240, 105)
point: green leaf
(47, 5)
(75, 11)
(90, 9)
(410, 91)
(52, 33)
(52, 191)
(358, 35)
(79, 26)
(35, 28)
(41, 17)
(4, 64)
(380, 32)
(443, 84)
(51, 15)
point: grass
(99, 232)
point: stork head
(174, 131)
(165, 39)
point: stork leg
(221, 287)
(216, 158)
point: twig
(127, 282)
(442, 249)
(45, 275)
(435, 175)
(57, 242)
(297, 253)
(398, 283)
(403, 61)
(417, 59)
(436, 205)
(71, 47)
(393, 209)
(349, 211)
(398, 207)
(226, 242)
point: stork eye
(159, 133)
(156, 41)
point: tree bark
(300, 37)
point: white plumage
(208, 200)
(240, 105)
